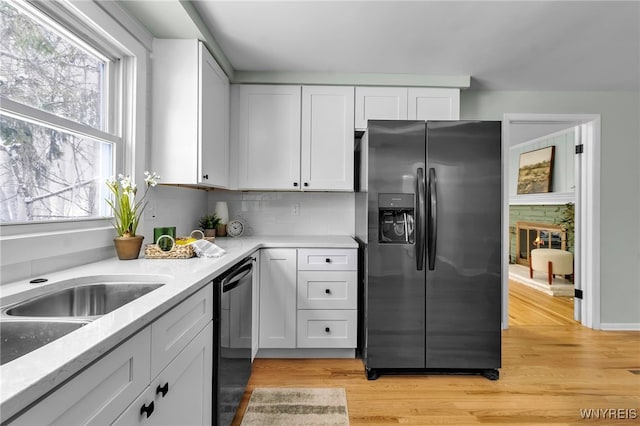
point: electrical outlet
(295, 209)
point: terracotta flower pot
(221, 229)
(128, 248)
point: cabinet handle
(327, 330)
(148, 409)
(306, 184)
(295, 183)
(163, 389)
(327, 291)
(205, 176)
(327, 260)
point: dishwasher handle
(232, 280)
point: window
(57, 123)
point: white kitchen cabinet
(163, 352)
(433, 103)
(294, 138)
(269, 137)
(278, 298)
(172, 331)
(99, 393)
(190, 115)
(380, 103)
(327, 298)
(401, 103)
(327, 138)
(182, 393)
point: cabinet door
(380, 103)
(182, 392)
(278, 298)
(172, 331)
(327, 138)
(213, 118)
(100, 393)
(269, 137)
(434, 104)
(174, 119)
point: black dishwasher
(232, 325)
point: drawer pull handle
(295, 183)
(327, 260)
(205, 176)
(328, 291)
(163, 389)
(327, 330)
(148, 409)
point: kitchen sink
(87, 300)
(19, 337)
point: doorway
(519, 127)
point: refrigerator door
(463, 288)
(394, 291)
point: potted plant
(208, 224)
(127, 212)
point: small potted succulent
(208, 224)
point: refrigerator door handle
(420, 243)
(433, 218)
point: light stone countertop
(28, 378)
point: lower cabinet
(164, 370)
(308, 299)
(277, 298)
(101, 392)
(182, 392)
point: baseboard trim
(307, 353)
(619, 326)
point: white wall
(620, 179)
(174, 206)
(270, 213)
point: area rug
(297, 406)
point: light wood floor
(552, 368)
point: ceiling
(502, 45)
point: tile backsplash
(290, 213)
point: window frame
(117, 102)
(76, 241)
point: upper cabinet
(294, 138)
(401, 103)
(327, 138)
(190, 115)
(269, 137)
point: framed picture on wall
(535, 171)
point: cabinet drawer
(327, 328)
(175, 329)
(327, 290)
(327, 259)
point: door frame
(587, 210)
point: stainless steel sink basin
(86, 300)
(20, 337)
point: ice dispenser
(395, 218)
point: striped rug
(297, 406)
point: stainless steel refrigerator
(428, 218)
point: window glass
(42, 69)
(50, 174)
(55, 149)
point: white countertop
(27, 378)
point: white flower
(151, 179)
